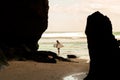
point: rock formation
(103, 48)
(22, 22)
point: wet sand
(29, 70)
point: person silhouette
(58, 45)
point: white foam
(67, 34)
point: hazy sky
(71, 15)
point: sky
(71, 15)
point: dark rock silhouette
(42, 56)
(22, 23)
(71, 56)
(103, 48)
(118, 42)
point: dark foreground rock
(22, 23)
(103, 48)
(71, 56)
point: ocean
(74, 43)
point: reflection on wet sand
(76, 76)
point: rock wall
(103, 48)
(22, 22)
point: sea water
(75, 43)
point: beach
(29, 70)
(74, 44)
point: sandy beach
(29, 70)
